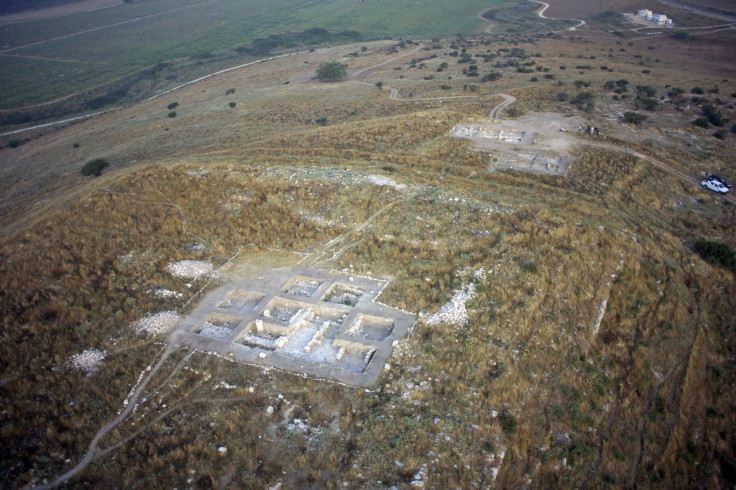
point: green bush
(13, 143)
(634, 117)
(648, 103)
(529, 267)
(509, 424)
(714, 115)
(94, 168)
(716, 253)
(491, 77)
(332, 71)
(172, 114)
(702, 122)
(173, 105)
(585, 101)
(232, 105)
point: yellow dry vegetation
(598, 348)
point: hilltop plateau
(481, 259)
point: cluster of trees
(332, 71)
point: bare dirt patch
(537, 143)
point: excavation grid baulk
(299, 319)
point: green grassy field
(126, 39)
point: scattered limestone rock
(88, 360)
(166, 293)
(190, 269)
(159, 323)
(383, 180)
(215, 331)
(453, 312)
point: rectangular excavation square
(284, 310)
(371, 327)
(352, 356)
(537, 162)
(487, 133)
(217, 326)
(304, 327)
(302, 286)
(263, 335)
(241, 300)
(344, 294)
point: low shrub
(94, 168)
(717, 253)
(634, 117)
(509, 423)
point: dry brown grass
(647, 402)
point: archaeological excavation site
(302, 320)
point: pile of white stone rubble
(160, 322)
(453, 312)
(190, 269)
(215, 331)
(87, 360)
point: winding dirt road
(507, 101)
(92, 448)
(545, 6)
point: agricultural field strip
(104, 27)
(699, 10)
(178, 87)
(63, 121)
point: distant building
(660, 19)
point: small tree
(232, 105)
(332, 71)
(173, 105)
(94, 168)
(379, 85)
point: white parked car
(714, 185)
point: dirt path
(178, 87)
(661, 165)
(354, 76)
(63, 121)
(92, 448)
(545, 6)
(507, 101)
(313, 258)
